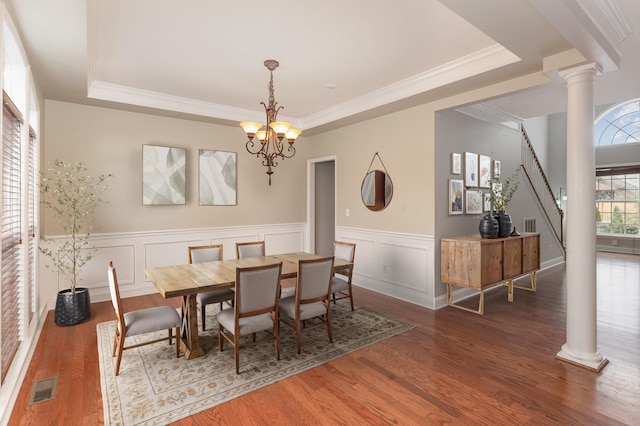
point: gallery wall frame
(470, 170)
(163, 175)
(473, 202)
(484, 172)
(217, 178)
(456, 196)
(496, 169)
(456, 163)
(487, 201)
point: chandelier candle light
(271, 145)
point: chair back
(347, 252)
(314, 279)
(115, 294)
(208, 253)
(250, 249)
(257, 289)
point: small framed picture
(470, 169)
(456, 163)
(456, 191)
(484, 173)
(496, 169)
(487, 201)
(474, 202)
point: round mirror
(377, 190)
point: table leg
(510, 292)
(190, 342)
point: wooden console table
(480, 263)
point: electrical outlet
(346, 212)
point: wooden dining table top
(192, 278)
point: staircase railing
(540, 185)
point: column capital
(589, 68)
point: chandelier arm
(291, 149)
(250, 144)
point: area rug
(155, 388)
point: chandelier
(271, 146)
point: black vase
(489, 227)
(504, 224)
(72, 308)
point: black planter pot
(489, 227)
(72, 308)
(504, 223)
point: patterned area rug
(154, 387)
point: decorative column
(581, 346)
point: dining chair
(250, 249)
(209, 253)
(309, 307)
(255, 309)
(141, 321)
(341, 282)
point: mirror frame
(381, 198)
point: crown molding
(481, 61)
(491, 114)
(595, 27)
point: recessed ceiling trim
(481, 61)
(146, 98)
(476, 63)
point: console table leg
(510, 292)
(532, 275)
(480, 309)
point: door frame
(311, 198)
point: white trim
(476, 63)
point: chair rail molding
(133, 252)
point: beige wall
(404, 141)
(110, 141)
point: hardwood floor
(454, 367)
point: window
(617, 204)
(19, 207)
(11, 234)
(618, 125)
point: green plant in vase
(73, 196)
(500, 196)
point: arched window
(619, 124)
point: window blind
(11, 229)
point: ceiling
(340, 61)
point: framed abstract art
(218, 179)
(163, 175)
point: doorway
(321, 205)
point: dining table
(187, 280)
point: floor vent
(529, 224)
(43, 390)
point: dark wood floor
(455, 367)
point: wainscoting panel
(132, 253)
(395, 264)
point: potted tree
(73, 196)
(500, 196)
